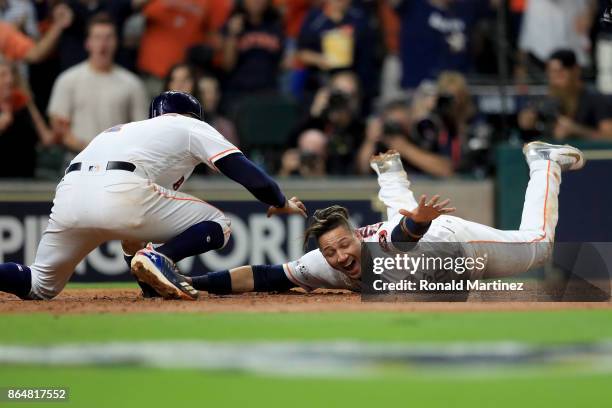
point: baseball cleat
(566, 156)
(147, 291)
(160, 273)
(387, 162)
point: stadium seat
(264, 121)
(50, 162)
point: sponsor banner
(256, 239)
(452, 271)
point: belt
(111, 165)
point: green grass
(546, 327)
(122, 386)
(137, 387)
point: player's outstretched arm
(248, 278)
(243, 171)
(292, 206)
(415, 223)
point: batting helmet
(175, 102)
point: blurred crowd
(308, 88)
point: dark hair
(192, 73)
(270, 14)
(567, 58)
(397, 103)
(325, 220)
(101, 18)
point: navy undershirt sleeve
(266, 278)
(409, 231)
(271, 278)
(243, 171)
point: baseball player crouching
(336, 264)
(123, 187)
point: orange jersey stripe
(212, 159)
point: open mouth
(351, 268)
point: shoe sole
(144, 270)
(575, 152)
(380, 159)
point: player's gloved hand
(428, 211)
(292, 206)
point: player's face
(342, 250)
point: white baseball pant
(92, 207)
(507, 252)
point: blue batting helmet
(175, 102)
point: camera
(392, 128)
(309, 160)
(426, 132)
(338, 101)
(548, 111)
(444, 106)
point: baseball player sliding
(123, 187)
(336, 262)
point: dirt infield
(129, 301)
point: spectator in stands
(172, 28)
(294, 12)
(95, 94)
(396, 112)
(253, 47)
(413, 130)
(21, 126)
(455, 105)
(431, 132)
(572, 109)
(391, 70)
(181, 77)
(16, 46)
(309, 158)
(435, 36)
(71, 49)
(209, 93)
(549, 25)
(337, 37)
(336, 112)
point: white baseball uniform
(94, 205)
(507, 252)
